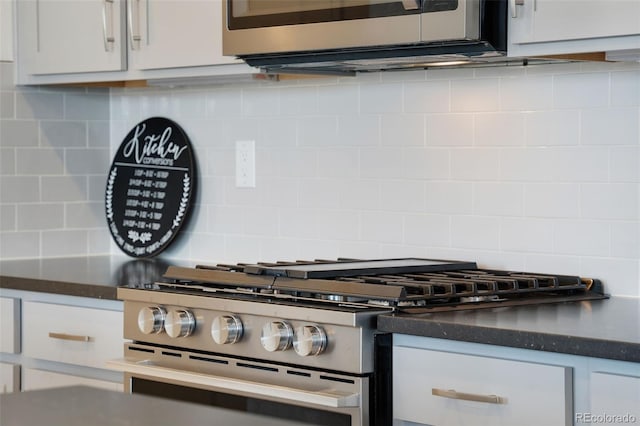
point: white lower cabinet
(33, 379)
(9, 377)
(72, 334)
(51, 340)
(444, 388)
(614, 399)
(443, 382)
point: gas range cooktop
(410, 285)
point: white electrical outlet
(245, 164)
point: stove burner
(401, 284)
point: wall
(532, 168)
(54, 153)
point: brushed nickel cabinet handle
(107, 25)
(490, 399)
(72, 337)
(512, 6)
(134, 23)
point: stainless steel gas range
(298, 340)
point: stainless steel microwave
(363, 35)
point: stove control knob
(226, 329)
(309, 340)
(179, 323)
(276, 336)
(151, 319)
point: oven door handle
(328, 398)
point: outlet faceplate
(245, 164)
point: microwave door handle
(324, 398)
(411, 4)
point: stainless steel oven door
(246, 385)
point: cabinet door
(70, 36)
(549, 27)
(558, 20)
(9, 325)
(175, 33)
(9, 378)
(445, 388)
(615, 399)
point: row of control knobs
(228, 329)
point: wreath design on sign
(184, 201)
(109, 193)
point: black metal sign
(150, 187)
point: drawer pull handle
(72, 337)
(491, 399)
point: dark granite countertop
(83, 405)
(608, 328)
(90, 276)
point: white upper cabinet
(74, 41)
(170, 33)
(64, 36)
(547, 27)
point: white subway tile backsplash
(500, 129)
(359, 130)
(430, 96)
(531, 93)
(426, 163)
(475, 232)
(402, 130)
(504, 166)
(614, 201)
(450, 130)
(40, 216)
(616, 126)
(39, 105)
(8, 217)
(475, 164)
(317, 130)
(427, 230)
(624, 164)
(20, 244)
(337, 99)
(80, 161)
(552, 200)
(624, 239)
(455, 198)
(625, 89)
(498, 199)
(581, 90)
(385, 227)
(552, 128)
(19, 133)
(39, 161)
(481, 94)
(584, 238)
(522, 234)
(381, 163)
(385, 98)
(7, 105)
(64, 243)
(63, 188)
(20, 189)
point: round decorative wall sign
(150, 187)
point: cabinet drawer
(443, 388)
(40, 379)
(9, 325)
(72, 334)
